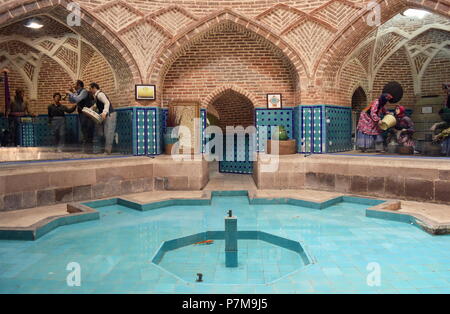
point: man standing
(107, 128)
(18, 108)
(79, 95)
(57, 120)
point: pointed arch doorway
(229, 110)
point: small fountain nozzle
(230, 213)
(199, 277)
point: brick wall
(15, 81)
(52, 78)
(234, 110)
(98, 70)
(437, 73)
(396, 68)
(142, 39)
(229, 57)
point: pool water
(115, 253)
(259, 263)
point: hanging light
(416, 13)
(34, 24)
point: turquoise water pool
(115, 253)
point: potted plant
(172, 122)
(286, 146)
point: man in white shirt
(107, 128)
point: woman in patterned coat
(369, 131)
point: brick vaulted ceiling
(145, 37)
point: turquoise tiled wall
(38, 133)
(317, 129)
(125, 131)
(323, 129)
(265, 119)
(147, 131)
(242, 160)
(338, 129)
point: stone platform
(28, 185)
(405, 178)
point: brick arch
(195, 33)
(226, 88)
(358, 95)
(93, 31)
(238, 109)
(349, 37)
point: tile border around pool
(287, 244)
(417, 220)
(376, 211)
(85, 211)
(78, 213)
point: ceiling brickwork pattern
(140, 38)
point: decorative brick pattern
(317, 40)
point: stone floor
(436, 212)
(157, 196)
(228, 181)
(28, 217)
(306, 195)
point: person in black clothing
(82, 98)
(57, 120)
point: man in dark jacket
(80, 96)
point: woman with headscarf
(369, 131)
(404, 128)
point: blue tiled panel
(39, 134)
(322, 129)
(148, 131)
(43, 132)
(338, 129)
(266, 119)
(203, 117)
(124, 130)
(141, 130)
(241, 163)
(296, 117)
(306, 139)
(154, 132)
(27, 135)
(318, 130)
(163, 113)
(72, 129)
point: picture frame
(145, 92)
(274, 101)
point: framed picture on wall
(145, 92)
(274, 101)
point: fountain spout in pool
(231, 241)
